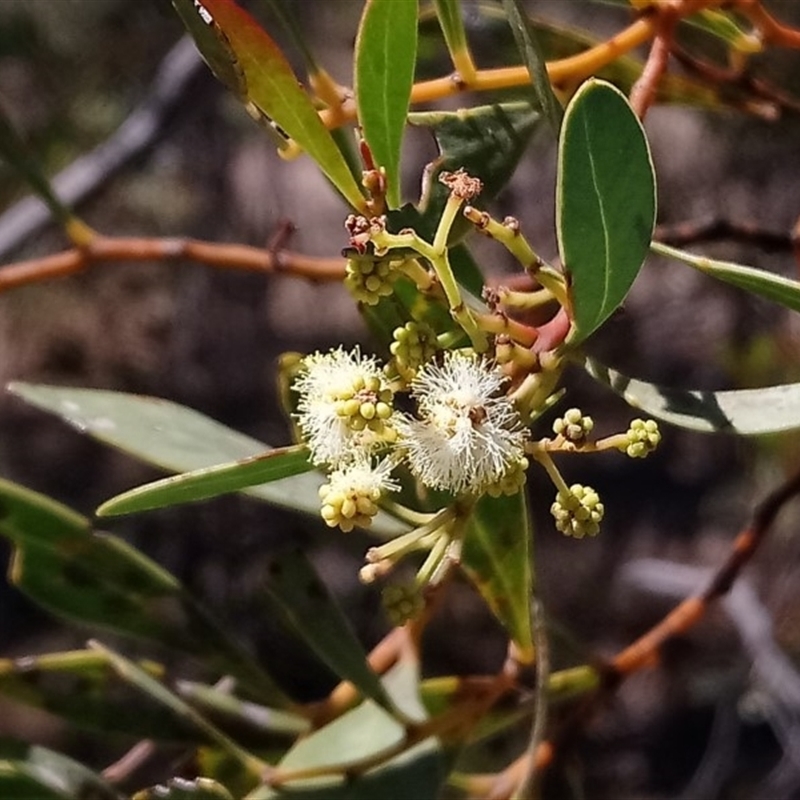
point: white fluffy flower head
(469, 435)
(345, 406)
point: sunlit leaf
(366, 731)
(182, 789)
(31, 772)
(497, 558)
(100, 580)
(174, 438)
(747, 412)
(386, 52)
(299, 598)
(533, 56)
(262, 71)
(79, 686)
(756, 281)
(605, 202)
(208, 482)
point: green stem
(536, 450)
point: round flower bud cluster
(414, 344)
(365, 403)
(579, 512)
(513, 480)
(402, 602)
(642, 437)
(350, 498)
(368, 280)
(573, 426)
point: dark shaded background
(706, 724)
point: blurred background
(721, 716)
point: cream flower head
(469, 435)
(345, 409)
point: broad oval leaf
(363, 732)
(208, 482)
(32, 772)
(98, 579)
(757, 281)
(175, 438)
(497, 559)
(386, 53)
(271, 85)
(746, 412)
(605, 202)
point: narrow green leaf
(213, 46)
(174, 438)
(294, 31)
(724, 25)
(98, 579)
(386, 52)
(31, 772)
(297, 596)
(208, 482)
(452, 25)
(533, 56)
(182, 789)
(756, 281)
(250, 720)
(605, 202)
(271, 86)
(80, 687)
(19, 156)
(497, 559)
(746, 412)
(366, 731)
(137, 677)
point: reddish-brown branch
(770, 30)
(714, 229)
(645, 90)
(223, 256)
(645, 651)
(760, 97)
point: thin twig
(645, 650)
(133, 760)
(714, 229)
(645, 90)
(115, 249)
